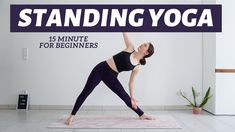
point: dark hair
(150, 51)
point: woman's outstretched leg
(92, 81)
(114, 84)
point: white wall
(218, 52)
(4, 53)
(57, 76)
(209, 58)
(225, 60)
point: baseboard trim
(96, 107)
(7, 107)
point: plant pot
(197, 110)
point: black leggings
(103, 72)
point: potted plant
(197, 107)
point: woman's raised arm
(128, 43)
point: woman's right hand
(134, 103)
(128, 43)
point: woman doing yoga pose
(107, 71)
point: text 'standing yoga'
(93, 17)
(116, 18)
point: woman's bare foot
(69, 120)
(146, 117)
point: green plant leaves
(194, 96)
(194, 103)
(206, 98)
(191, 104)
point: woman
(107, 71)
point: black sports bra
(123, 62)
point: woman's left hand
(134, 103)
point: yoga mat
(161, 121)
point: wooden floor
(37, 120)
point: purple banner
(116, 18)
